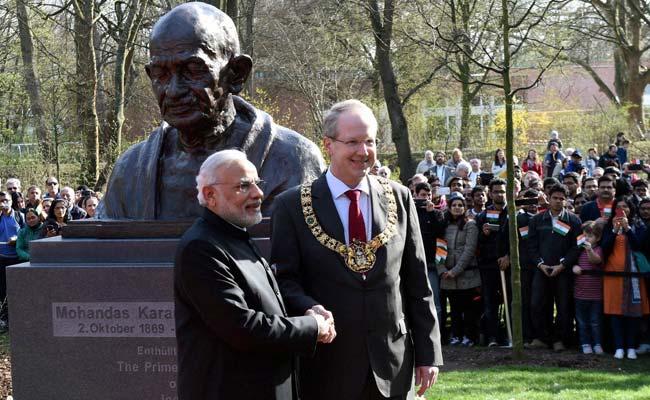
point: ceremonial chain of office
(359, 257)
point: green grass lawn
(515, 382)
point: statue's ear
(236, 73)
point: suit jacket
(386, 323)
(234, 339)
(445, 176)
(551, 248)
(590, 211)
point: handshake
(325, 320)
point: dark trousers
(4, 263)
(371, 392)
(547, 292)
(589, 315)
(493, 297)
(624, 331)
(526, 293)
(465, 313)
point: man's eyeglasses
(244, 185)
(353, 144)
(52, 183)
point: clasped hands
(551, 270)
(325, 320)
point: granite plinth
(93, 318)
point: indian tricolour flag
(523, 232)
(636, 161)
(441, 244)
(492, 215)
(561, 228)
(607, 211)
(580, 240)
(441, 255)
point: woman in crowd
(499, 163)
(31, 231)
(532, 163)
(625, 298)
(90, 204)
(18, 202)
(57, 218)
(460, 278)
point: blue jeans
(589, 314)
(625, 330)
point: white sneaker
(644, 348)
(631, 354)
(619, 354)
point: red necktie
(356, 226)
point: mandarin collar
(225, 226)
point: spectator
(554, 139)
(575, 163)
(588, 289)
(29, 232)
(74, 211)
(18, 203)
(532, 181)
(490, 223)
(57, 218)
(479, 200)
(598, 172)
(52, 188)
(532, 163)
(438, 200)
(89, 205)
(620, 137)
(384, 171)
(552, 246)
(590, 187)
(432, 227)
(46, 204)
(476, 170)
(13, 185)
(459, 278)
(526, 263)
(602, 206)
(9, 228)
(456, 184)
(499, 164)
(375, 168)
(553, 160)
(625, 297)
(456, 158)
(427, 164)
(592, 161)
(621, 152)
(640, 188)
(609, 158)
(442, 171)
(463, 170)
(572, 181)
(579, 201)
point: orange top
(613, 285)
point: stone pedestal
(94, 318)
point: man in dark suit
(235, 340)
(441, 170)
(349, 244)
(604, 203)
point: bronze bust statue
(196, 72)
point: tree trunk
(515, 268)
(31, 79)
(249, 44)
(232, 10)
(399, 127)
(87, 121)
(465, 111)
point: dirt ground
(461, 358)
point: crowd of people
(41, 214)
(583, 247)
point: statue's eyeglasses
(244, 184)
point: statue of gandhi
(196, 72)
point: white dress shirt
(342, 202)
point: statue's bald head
(195, 25)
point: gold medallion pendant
(358, 256)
